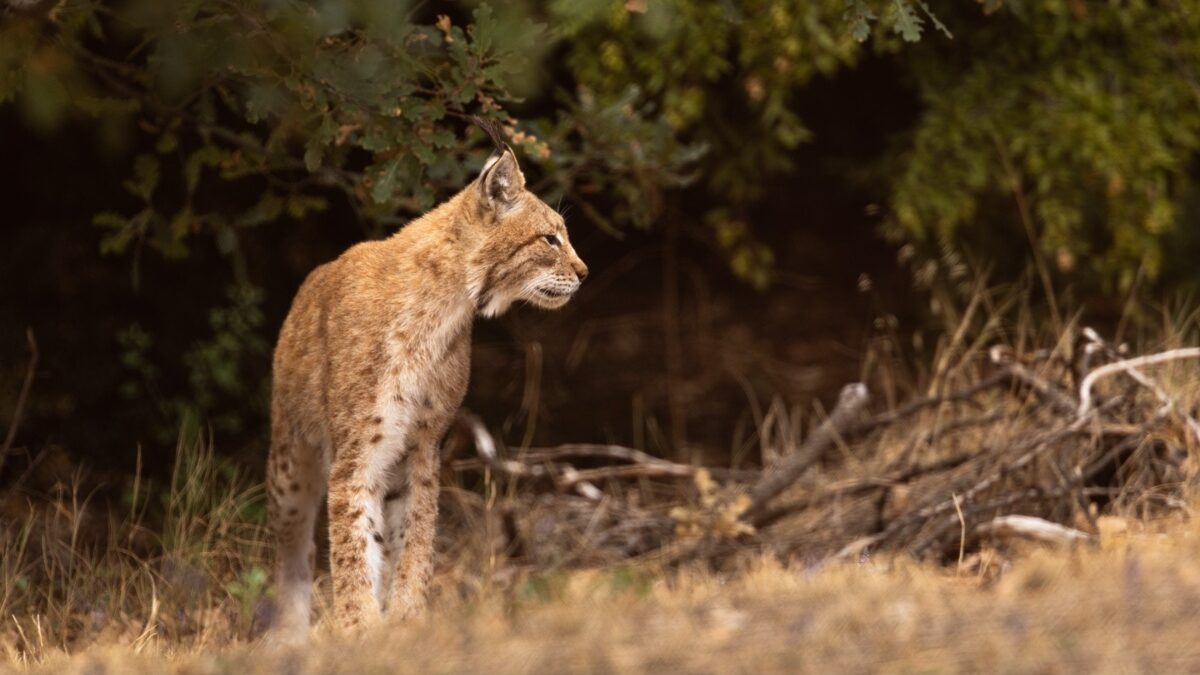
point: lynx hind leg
(395, 514)
(414, 564)
(295, 485)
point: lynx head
(525, 253)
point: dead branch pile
(1032, 446)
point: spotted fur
(371, 365)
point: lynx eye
(552, 239)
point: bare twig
(645, 463)
(1124, 366)
(563, 474)
(665, 470)
(1045, 390)
(26, 386)
(851, 402)
(641, 464)
(962, 537)
(1169, 402)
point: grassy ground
(1129, 604)
(173, 577)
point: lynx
(371, 365)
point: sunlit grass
(1129, 604)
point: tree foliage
(1063, 128)
(1085, 117)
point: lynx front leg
(395, 515)
(415, 561)
(355, 543)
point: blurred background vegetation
(762, 189)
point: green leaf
(384, 181)
(860, 16)
(145, 177)
(268, 208)
(423, 152)
(299, 206)
(263, 101)
(314, 148)
(126, 229)
(45, 100)
(110, 219)
(227, 240)
(166, 143)
(209, 156)
(908, 23)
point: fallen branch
(851, 402)
(1125, 366)
(1169, 403)
(1031, 527)
(643, 464)
(563, 474)
(653, 470)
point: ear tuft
(501, 180)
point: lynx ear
(501, 180)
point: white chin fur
(549, 302)
(500, 304)
(495, 307)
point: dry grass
(1131, 604)
(183, 563)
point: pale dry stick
(962, 533)
(572, 478)
(648, 470)
(851, 402)
(641, 463)
(1169, 403)
(485, 446)
(24, 638)
(41, 634)
(594, 450)
(1032, 527)
(1124, 366)
(151, 628)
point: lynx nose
(581, 271)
